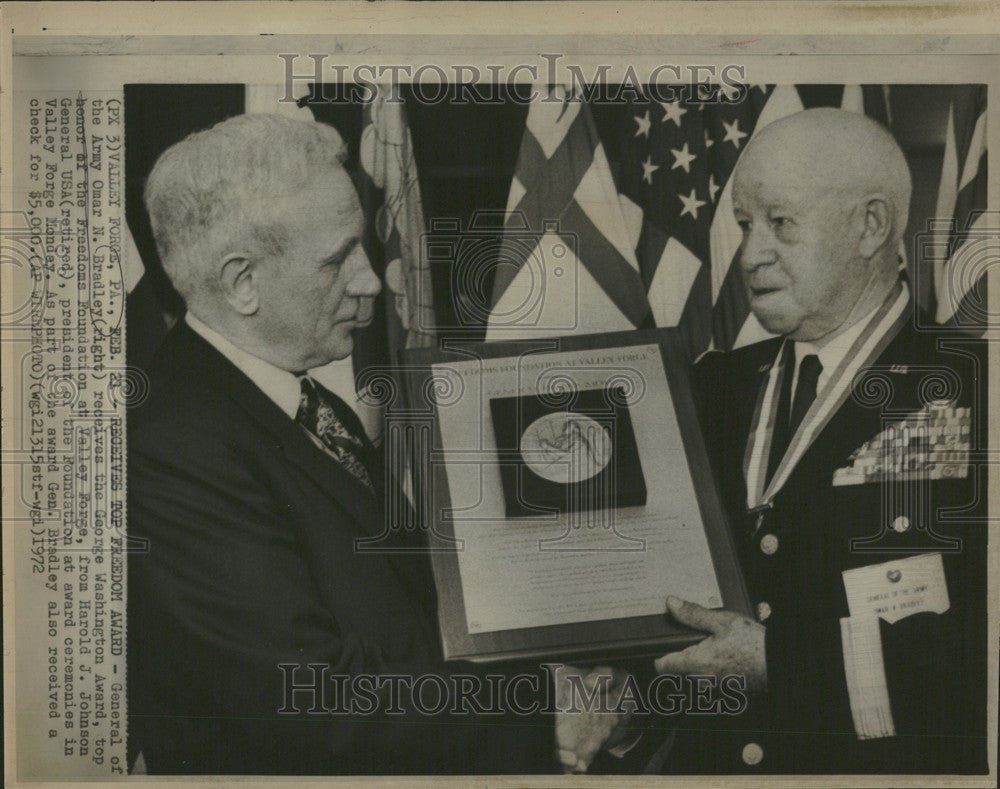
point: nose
(757, 248)
(362, 281)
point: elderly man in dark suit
(843, 451)
(262, 639)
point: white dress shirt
(279, 385)
(831, 354)
(284, 388)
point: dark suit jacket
(251, 563)
(935, 664)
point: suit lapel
(188, 354)
(294, 443)
(758, 370)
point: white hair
(214, 188)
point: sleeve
(708, 383)
(220, 598)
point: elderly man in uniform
(842, 449)
(254, 486)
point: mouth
(363, 316)
(760, 291)
(359, 320)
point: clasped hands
(590, 716)
(734, 646)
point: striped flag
(657, 243)
(567, 260)
(962, 248)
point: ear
(238, 280)
(877, 216)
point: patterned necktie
(331, 420)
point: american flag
(656, 240)
(964, 245)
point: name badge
(890, 591)
(894, 590)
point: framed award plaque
(566, 492)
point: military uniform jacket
(820, 527)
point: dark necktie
(805, 390)
(791, 412)
(337, 427)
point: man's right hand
(588, 718)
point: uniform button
(769, 544)
(763, 611)
(901, 524)
(752, 754)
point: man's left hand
(735, 645)
(583, 731)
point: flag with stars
(676, 165)
(677, 159)
(667, 201)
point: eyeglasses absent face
(321, 286)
